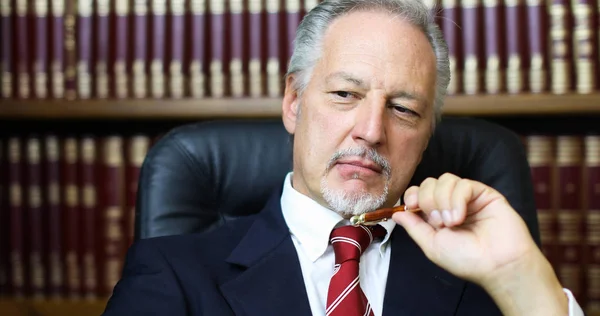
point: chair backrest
(200, 175)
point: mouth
(361, 163)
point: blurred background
(88, 86)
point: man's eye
(343, 94)
(401, 109)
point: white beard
(348, 203)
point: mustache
(363, 152)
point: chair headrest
(202, 174)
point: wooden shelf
(10, 307)
(190, 109)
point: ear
(290, 105)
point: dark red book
(84, 48)
(4, 223)
(536, 41)
(6, 59)
(570, 215)
(56, 268)
(71, 217)
(493, 57)
(36, 219)
(471, 30)
(140, 48)
(274, 82)
(583, 46)
(102, 47)
(198, 31)
(18, 232)
(560, 46)
(236, 40)
(121, 67)
(592, 220)
(113, 237)
(24, 53)
(217, 48)
(41, 54)
(70, 49)
(514, 49)
(255, 63)
(158, 39)
(89, 216)
(136, 153)
(57, 49)
(452, 34)
(540, 155)
(177, 38)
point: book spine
(451, 35)
(178, 35)
(17, 219)
(23, 53)
(293, 21)
(592, 185)
(255, 61)
(514, 51)
(140, 50)
(470, 34)
(6, 68)
(559, 47)
(89, 217)
(570, 214)
(583, 47)
(138, 148)
(198, 54)
(217, 45)
(72, 218)
(273, 40)
(236, 72)
(540, 156)
(114, 238)
(121, 64)
(57, 65)
(4, 219)
(493, 71)
(310, 4)
(157, 66)
(536, 39)
(70, 49)
(41, 54)
(36, 220)
(84, 50)
(102, 48)
(55, 228)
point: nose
(369, 127)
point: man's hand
(470, 230)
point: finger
(418, 229)
(411, 197)
(427, 202)
(460, 198)
(443, 196)
(472, 196)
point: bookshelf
(50, 307)
(143, 109)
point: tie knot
(349, 242)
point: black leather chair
(203, 174)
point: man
(363, 95)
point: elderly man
(363, 94)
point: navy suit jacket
(250, 267)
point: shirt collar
(312, 223)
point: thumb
(418, 229)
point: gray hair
(308, 42)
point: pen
(380, 215)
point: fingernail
(436, 218)
(447, 217)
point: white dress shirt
(316, 256)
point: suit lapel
(415, 285)
(270, 269)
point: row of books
(66, 213)
(216, 48)
(566, 177)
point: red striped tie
(345, 297)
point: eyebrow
(346, 76)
